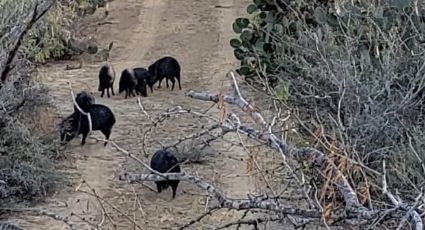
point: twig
(84, 220)
(416, 153)
(253, 222)
(192, 222)
(143, 110)
(104, 212)
(80, 110)
(115, 208)
(385, 191)
(224, 202)
(127, 153)
(42, 213)
(415, 218)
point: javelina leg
(103, 91)
(151, 89)
(159, 85)
(107, 133)
(126, 94)
(159, 186)
(174, 82)
(84, 138)
(112, 90)
(166, 82)
(107, 92)
(178, 80)
(174, 185)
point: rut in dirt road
(197, 34)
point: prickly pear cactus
(271, 29)
(253, 43)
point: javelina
(166, 67)
(77, 123)
(84, 100)
(128, 82)
(144, 78)
(165, 162)
(106, 79)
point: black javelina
(144, 78)
(165, 162)
(166, 67)
(77, 123)
(84, 100)
(128, 82)
(106, 79)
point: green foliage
(48, 38)
(354, 69)
(267, 23)
(282, 92)
(26, 158)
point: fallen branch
(267, 204)
(265, 134)
(353, 206)
(224, 202)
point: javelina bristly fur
(166, 67)
(106, 79)
(127, 82)
(77, 123)
(84, 100)
(165, 162)
(144, 78)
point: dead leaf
(327, 213)
(363, 193)
(221, 106)
(250, 165)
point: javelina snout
(166, 67)
(127, 82)
(106, 79)
(67, 132)
(164, 161)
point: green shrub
(50, 37)
(27, 165)
(355, 69)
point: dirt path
(197, 33)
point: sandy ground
(197, 33)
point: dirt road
(197, 33)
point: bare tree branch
(224, 202)
(353, 205)
(34, 17)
